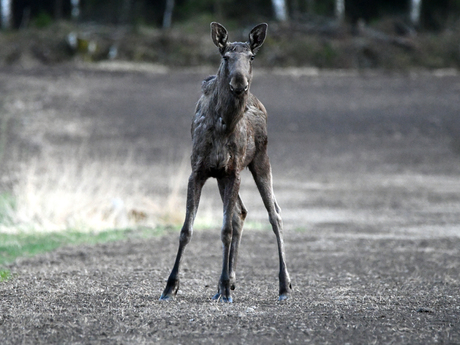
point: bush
(42, 20)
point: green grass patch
(4, 275)
(17, 245)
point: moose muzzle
(239, 85)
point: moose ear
(257, 36)
(219, 36)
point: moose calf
(229, 133)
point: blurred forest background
(393, 34)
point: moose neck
(230, 109)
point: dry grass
(75, 192)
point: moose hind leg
(239, 215)
(261, 172)
(228, 188)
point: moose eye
(225, 58)
(252, 57)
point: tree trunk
(415, 11)
(279, 7)
(5, 11)
(75, 9)
(167, 17)
(340, 10)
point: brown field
(366, 169)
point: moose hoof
(170, 290)
(283, 297)
(219, 298)
(166, 298)
(285, 291)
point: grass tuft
(4, 275)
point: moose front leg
(261, 171)
(195, 185)
(229, 188)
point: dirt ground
(366, 170)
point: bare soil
(366, 169)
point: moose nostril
(238, 90)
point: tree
(5, 10)
(340, 10)
(415, 11)
(279, 7)
(167, 18)
(75, 9)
